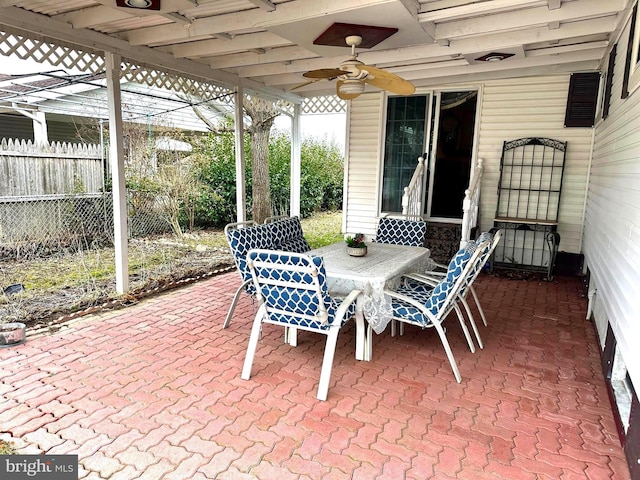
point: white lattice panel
(326, 104)
(59, 55)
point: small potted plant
(356, 246)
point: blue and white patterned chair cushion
(241, 240)
(397, 231)
(294, 304)
(433, 298)
(287, 235)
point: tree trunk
(260, 174)
(262, 113)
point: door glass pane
(404, 143)
(454, 151)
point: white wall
(510, 109)
(362, 161)
(612, 227)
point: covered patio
(154, 391)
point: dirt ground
(44, 292)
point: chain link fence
(57, 254)
(31, 226)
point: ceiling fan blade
(305, 84)
(323, 73)
(388, 81)
(345, 96)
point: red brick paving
(154, 391)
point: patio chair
(429, 280)
(428, 306)
(494, 239)
(287, 234)
(242, 237)
(292, 292)
(398, 231)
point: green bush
(321, 182)
(216, 204)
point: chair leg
(327, 362)
(465, 330)
(475, 298)
(234, 302)
(361, 335)
(291, 336)
(253, 344)
(447, 349)
(472, 322)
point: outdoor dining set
(319, 290)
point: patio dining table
(380, 268)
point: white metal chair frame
(433, 277)
(292, 292)
(456, 280)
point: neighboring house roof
(57, 93)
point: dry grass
(7, 448)
(73, 281)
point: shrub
(321, 182)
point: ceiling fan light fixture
(351, 87)
(140, 4)
(494, 57)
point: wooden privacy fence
(27, 168)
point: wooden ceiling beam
(532, 17)
(431, 51)
(280, 54)
(238, 43)
(289, 12)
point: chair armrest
(405, 298)
(342, 309)
(440, 265)
(431, 281)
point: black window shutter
(582, 100)
(627, 65)
(609, 83)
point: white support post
(40, 135)
(241, 193)
(296, 169)
(116, 152)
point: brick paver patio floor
(153, 391)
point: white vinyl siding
(534, 107)
(363, 163)
(509, 109)
(612, 224)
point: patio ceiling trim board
(18, 18)
(286, 74)
(540, 16)
(286, 13)
(472, 78)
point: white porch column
(241, 193)
(296, 170)
(116, 153)
(40, 135)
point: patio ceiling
(266, 45)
